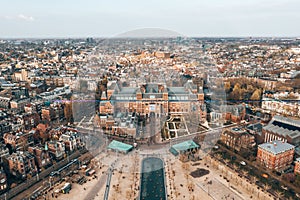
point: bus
(66, 188)
(91, 172)
(87, 171)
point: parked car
(265, 175)
(243, 163)
(284, 187)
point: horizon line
(146, 37)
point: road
(93, 194)
(109, 171)
(259, 170)
(155, 146)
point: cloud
(19, 17)
(6, 17)
(25, 17)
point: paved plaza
(218, 190)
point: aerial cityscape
(149, 113)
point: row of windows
(178, 98)
(2, 187)
(170, 98)
(126, 98)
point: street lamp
(208, 189)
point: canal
(152, 179)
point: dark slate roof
(284, 126)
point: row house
(5, 127)
(30, 108)
(288, 108)
(21, 164)
(5, 101)
(52, 113)
(19, 140)
(17, 105)
(48, 114)
(30, 120)
(56, 149)
(72, 140)
(57, 81)
(43, 131)
(41, 154)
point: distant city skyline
(195, 18)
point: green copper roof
(120, 146)
(183, 146)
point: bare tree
(267, 187)
(279, 194)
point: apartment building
(41, 155)
(21, 164)
(56, 149)
(72, 140)
(276, 155)
(238, 138)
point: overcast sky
(96, 18)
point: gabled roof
(284, 126)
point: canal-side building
(276, 155)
